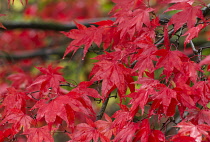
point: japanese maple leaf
(178, 138)
(18, 119)
(87, 132)
(14, 99)
(50, 109)
(169, 60)
(126, 133)
(145, 134)
(105, 127)
(199, 116)
(113, 74)
(39, 134)
(51, 79)
(83, 36)
(195, 131)
(189, 15)
(203, 91)
(132, 21)
(122, 117)
(165, 96)
(83, 89)
(185, 95)
(145, 60)
(191, 70)
(140, 99)
(20, 80)
(147, 82)
(192, 33)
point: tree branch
(31, 54)
(102, 110)
(50, 25)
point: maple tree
(163, 90)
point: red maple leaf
(87, 132)
(145, 60)
(84, 36)
(196, 131)
(185, 95)
(164, 96)
(39, 134)
(134, 21)
(51, 79)
(18, 119)
(113, 74)
(83, 89)
(122, 117)
(20, 80)
(126, 133)
(145, 134)
(140, 99)
(105, 127)
(178, 138)
(203, 91)
(14, 99)
(50, 109)
(167, 60)
(189, 15)
(191, 71)
(198, 116)
(192, 33)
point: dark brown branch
(206, 10)
(49, 25)
(103, 108)
(31, 54)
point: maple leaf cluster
(159, 81)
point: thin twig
(102, 110)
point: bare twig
(103, 108)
